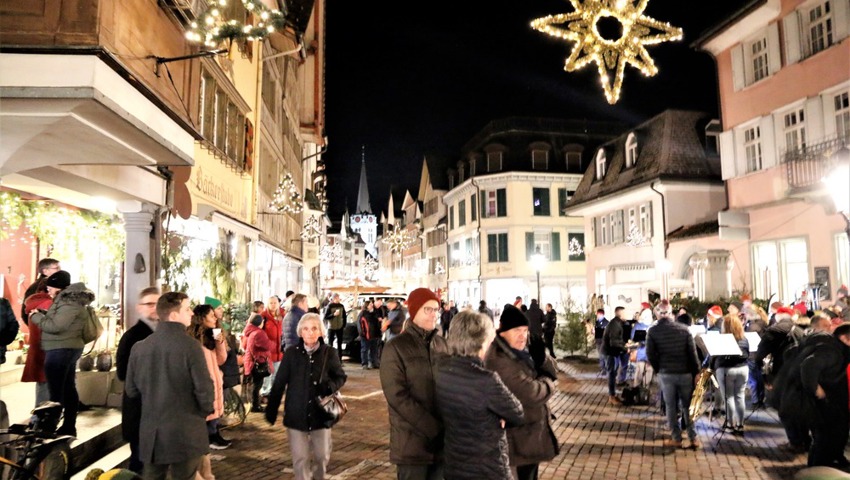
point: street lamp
(538, 261)
(838, 185)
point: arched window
(601, 164)
(631, 150)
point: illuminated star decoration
(610, 55)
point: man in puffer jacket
(62, 342)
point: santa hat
(715, 311)
(801, 308)
(784, 312)
(645, 305)
(842, 290)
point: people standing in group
(273, 326)
(297, 309)
(754, 322)
(644, 374)
(36, 298)
(533, 440)
(258, 350)
(309, 370)
(732, 372)
(396, 315)
(550, 325)
(62, 342)
(407, 380)
(777, 339)
(474, 404)
(449, 312)
(45, 268)
(201, 329)
(535, 321)
(599, 331)
(131, 408)
(335, 316)
(614, 349)
(168, 370)
(672, 354)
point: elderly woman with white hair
(309, 370)
(474, 403)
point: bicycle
(234, 408)
(40, 453)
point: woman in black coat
(474, 404)
(309, 370)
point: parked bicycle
(37, 452)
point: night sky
(424, 77)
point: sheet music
(696, 330)
(754, 339)
(722, 344)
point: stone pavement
(597, 440)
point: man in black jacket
(335, 319)
(613, 347)
(671, 352)
(131, 408)
(776, 340)
(598, 331)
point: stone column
(138, 264)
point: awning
(230, 224)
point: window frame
(794, 126)
(631, 150)
(841, 114)
(544, 209)
(752, 148)
(497, 243)
(601, 163)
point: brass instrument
(700, 386)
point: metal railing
(807, 166)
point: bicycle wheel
(234, 409)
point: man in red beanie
(407, 378)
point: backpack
(8, 323)
(636, 395)
(92, 328)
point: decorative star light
(311, 229)
(286, 198)
(635, 238)
(212, 28)
(610, 55)
(575, 249)
(398, 239)
(370, 267)
(439, 269)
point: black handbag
(262, 369)
(332, 405)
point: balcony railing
(805, 167)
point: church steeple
(363, 205)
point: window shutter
(556, 246)
(529, 245)
(473, 208)
(791, 29)
(651, 225)
(596, 228)
(840, 19)
(738, 78)
(501, 201)
(774, 59)
(562, 201)
(544, 202)
(483, 205)
(769, 155)
(727, 154)
(452, 217)
(503, 247)
(492, 249)
(814, 119)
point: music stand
(718, 346)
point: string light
(610, 56)
(575, 248)
(311, 229)
(370, 266)
(635, 238)
(286, 197)
(398, 239)
(439, 269)
(211, 28)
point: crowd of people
(459, 384)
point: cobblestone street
(597, 440)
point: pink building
(784, 78)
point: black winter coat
(535, 320)
(775, 340)
(472, 401)
(131, 408)
(612, 338)
(300, 376)
(670, 348)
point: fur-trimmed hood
(76, 293)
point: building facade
(783, 70)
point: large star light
(610, 54)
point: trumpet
(700, 385)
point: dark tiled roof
(437, 166)
(671, 146)
(696, 230)
(515, 137)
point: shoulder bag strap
(324, 365)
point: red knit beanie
(417, 298)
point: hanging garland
(286, 198)
(212, 28)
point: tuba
(701, 384)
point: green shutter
(556, 246)
(492, 249)
(529, 245)
(562, 201)
(473, 208)
(502, 203)
(544, 203)
(452, 217)
(483, 205)
(503, 247)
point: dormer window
(573, 161)
(601, 164)
(631, 150)
(494, 161)
(460, 171)
(539, 159)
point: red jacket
(274, 330)
(259, 348)
(34, 368)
